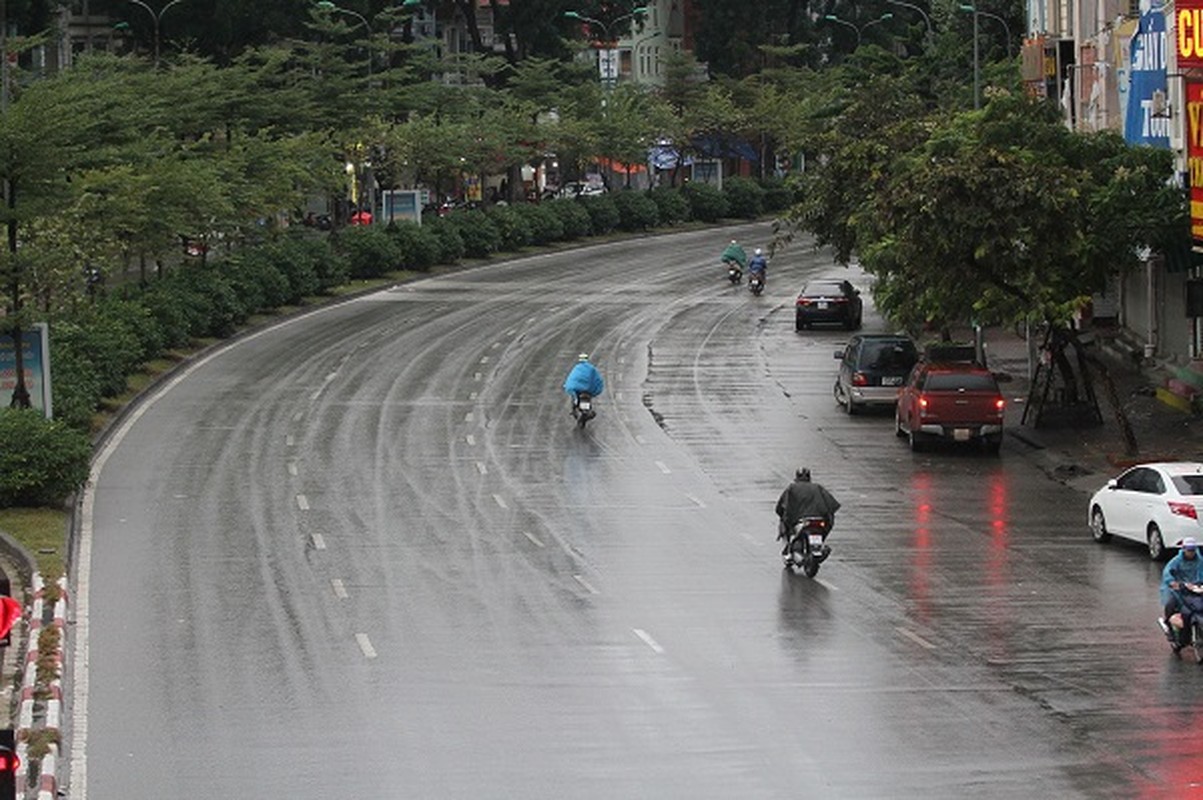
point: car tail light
(922, 403)
(859, 379)
(802, 301)
(1183, 509)
(1000, 405)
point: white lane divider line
(639, 439)
(330, 378)
(484, 359)
(468, 417)
(827, 584)
(340, 591)
(496, 345)
(319, 542)
(648, 640)
(500, 500)
(472, 395)
(588, 586)
(292, 468)
(470, 439)
(696, 501)
(916, 638)
(290, 440)
(365, 644)
(480, 465)
(618, 397)
(297, 417)
(303, 502)
(477, 376)
(316, 395)
(534, 539)
(663, 467)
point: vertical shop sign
(1194, 155)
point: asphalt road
(366, 554)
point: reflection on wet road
(367, 554)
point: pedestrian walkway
(1084, 455)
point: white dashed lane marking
(319, 542)
(340, 591)
(663, 467)
(302, 502)
(470, 439)
(588, 586)
(916, 638)
(480, 465)
(648, 640)
(534, 539)
(365, 644)
(292, 468)
(500, 500)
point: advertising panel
(35, 359)
(403, 204)
(1146, 75)
(1194, 155)
(1188, 38)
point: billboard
(1188, 38)
(35, 359)
(1146, 75)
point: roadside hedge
(41, 461)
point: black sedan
(828, 301)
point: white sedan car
(1155, 504)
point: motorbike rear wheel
(810, 564)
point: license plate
(586, 405)
(822, 304)
(961, 434)
(816, 539)
(891, 380)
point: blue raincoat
(1183, 570)
(757, 264)
(584, 377)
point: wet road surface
(367, 554)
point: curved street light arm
(922, 13)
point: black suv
(873, 367)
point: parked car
(953, 401)
(575, 189)
(873, 366)
(1155, 504)
(828, 301)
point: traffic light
(9, 762)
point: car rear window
(823, 288)
(953, 381)
(1188, 484)
(897, 355)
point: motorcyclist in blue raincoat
(1180, 602)
(584, 377)
(758, 265)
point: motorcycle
(756, 283)
(807, 547)
(734, 273)
(583, 409)
(1192, 636)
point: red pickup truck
(954, 401)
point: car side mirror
(839, 354)
(1112, 483)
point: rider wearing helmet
(584, 377)
(802, 499)
(735, 253)
(758, 264)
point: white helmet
(583, 357)
(759, 251)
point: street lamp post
(611, 74)
(922, 13)
(859, 31)
(977, 63)
(330, 6)
(157, 17)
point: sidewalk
(1085, 456)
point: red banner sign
(1194, 155)
(1188, 32)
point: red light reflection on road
(920, 584)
